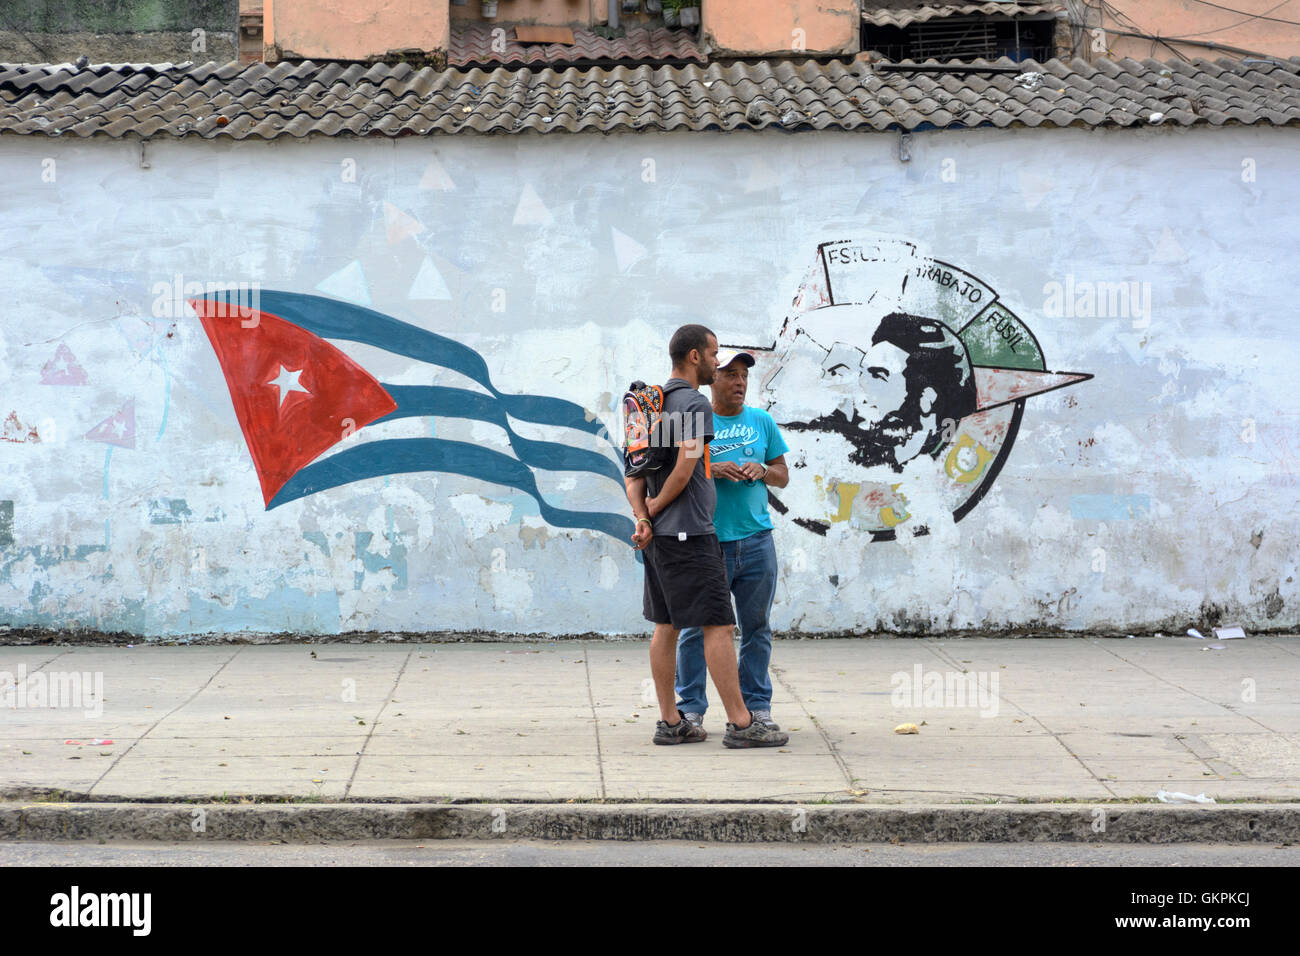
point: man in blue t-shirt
(748, 455)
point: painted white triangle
(429, 283)
(761, 176)
(627, 251)
(1133, 346)
(348, 283)
(1034, 189)
(531, 211)
(399, 224)
(435, 177)
(1168, 248)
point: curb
(720, 823)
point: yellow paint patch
(953, 466)
(847, 493)
(888, 516)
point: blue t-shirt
(742, 505)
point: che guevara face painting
(899, 381)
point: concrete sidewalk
(1072, 720)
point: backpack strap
(672, 387)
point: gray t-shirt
(687, 414)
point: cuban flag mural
(297, 395)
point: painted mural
(900, 381)
(132, 501)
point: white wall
(575, 295)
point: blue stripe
(397, 455)
(415, 400)
(332, 319)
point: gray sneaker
(682, 732)
(763, 717)
(755, 735)
(696, 720)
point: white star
(287, 382)
(118, 427)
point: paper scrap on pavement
(907, 729)
(1166, 796)
(1228, 633)
(1193, 632)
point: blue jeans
(751, 573)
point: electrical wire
(1155, 38)
(1232, 26)
(1102, 7)
(1248, 16)
(1209, 44)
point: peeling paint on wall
(1159, 491)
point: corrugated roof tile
(901, 13)
(330, 99)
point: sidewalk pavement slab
(1043, 720)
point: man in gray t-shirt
(685, 574)
(687, 415)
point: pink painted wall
(364, 29)
(743, 26)
(565, 13)
(354, 29)
(1198, 21)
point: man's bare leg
(720, 658)
(663, 668)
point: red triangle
(118, 428)
(288, 426)
(1000, 386)
(63, 369)
(812, 292)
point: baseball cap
(727, 356)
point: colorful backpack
(644, 447)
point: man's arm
(636, 496)
(688, 456)
(642, 533)
(778, 473)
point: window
(964, 38)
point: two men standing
(706, 534)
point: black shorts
(686, 582)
